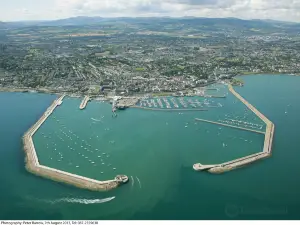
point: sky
(17, 10)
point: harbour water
(156, 150)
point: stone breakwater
(33, 165)
(267, 149)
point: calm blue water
(157, 150)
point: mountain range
(84, 20)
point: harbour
(172, 149)
(33, 165)
(267, 148)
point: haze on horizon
(17, 10)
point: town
(158, 56)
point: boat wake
(79, 200)
(96, 120)
(139, 182)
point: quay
(227, 125)
(233, 164)
(84, 102)
(33, 165)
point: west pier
(33, 165)
(230, 165)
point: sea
(156, 150)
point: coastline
(271, 73)
(33, 166)
(45, 90)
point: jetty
(33, 165)
(230, 165)
(84, 102)
(228, 125)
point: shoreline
(79, 95)
(33, 166)
(271, 74)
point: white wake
(96, 120)
(78, 200)
(139, 182)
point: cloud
(248, 9)
(245, 9)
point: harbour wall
(33, 165)
(240, 162)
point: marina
(176, 104)
(169, 109)
(267, 148)
(227, 125)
